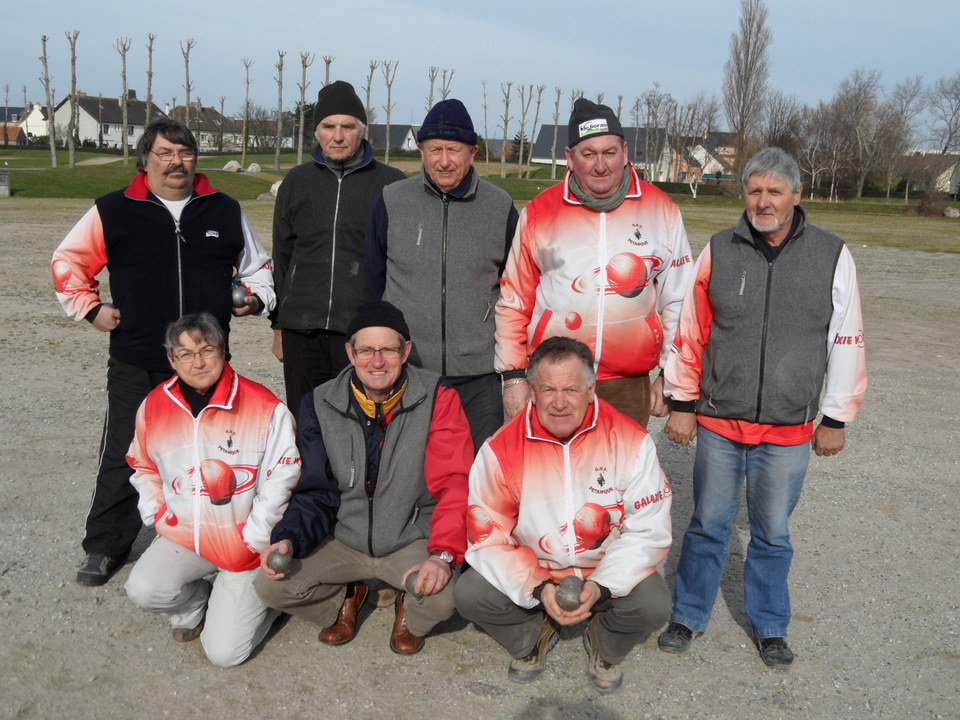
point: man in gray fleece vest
(435, 247)
(771, 320)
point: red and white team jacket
(217, 483)
(612, 280)
(539, 509)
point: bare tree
(899, 114)
(556, 126)
(688, 125)
(122, 47)
(389, 69)
(944, 102)
(860, 95)
(45, 79)
(599, 98)
(187, 85)
(810, 152)
(327, 62)
(745, 75)
(619, 107)
(223, 101)
(782, 121)
(432, 72)
(6, 114)
(486, 137)
(526, 97)
(246, 114)
(505, 118)
(446, 78)
(72, 129)
(148, 108)
(655, 104)
(306, 60)
(536, 119)
(574, 96)
(371, 113)
(279, 131)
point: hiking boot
(97, 569)
(775, 652)
(185, 635)
(529, 668)
(606, 677)
(676, 638)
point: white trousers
(171, 580)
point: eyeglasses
(388, 353)
(167, 156)
(206, 352)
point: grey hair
(173, 130)
(557, 348)
(774, 161)
(202, 327)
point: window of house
(129, 129)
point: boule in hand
(411, 585)
(279, 562)
(568, 596)
(240, 295)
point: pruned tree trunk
(446, 78)
(278, 137)
(505, 89)
(187, 85)
(327, 62)
(533, 133)
(526, 97)
(122, 47)
(306, 60)
(432, 79)
(486, 137)
(389, 68)
(223, 101)
(246, 113)
(148, 108)
(74, 101)
(371, 113)
(556, 127)
(45, 79)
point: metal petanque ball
(411, 585)
(568, 596)
(279, 562)
(240, 295)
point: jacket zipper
(333, 250)
(443, 287)
(763, 338)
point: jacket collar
(465, 190)
(223, 396)
(363, 158)
(633, 192)
(536, 430)
(340, 393)
(744, 229)
(139, 188)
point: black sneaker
(97, 569)
(676, 638)
(775, 652)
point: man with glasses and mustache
(173, 244)
(386, 452)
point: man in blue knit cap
(435, 248)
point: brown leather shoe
(343, 630)
(402, 641)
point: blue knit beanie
(448, 120)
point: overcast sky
(619, 47)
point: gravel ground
(875, 588)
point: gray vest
(444, 256)
(402, 505)
(767, 355)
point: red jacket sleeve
(446, 467)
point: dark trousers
(310, 358)
(482, 402)
(113, 520)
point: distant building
(100, 120)
(210, 124)
(402, 137)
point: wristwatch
(444, 555)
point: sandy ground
(875, 580)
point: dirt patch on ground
(874, 583)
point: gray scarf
(602, 204)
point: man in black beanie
(435, 248)
(382, 495)
(318, 225)
(603, 258)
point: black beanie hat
(338, 98)
(378, 313)
(589, 119)
(448, 120)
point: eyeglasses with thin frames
(187, 356)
